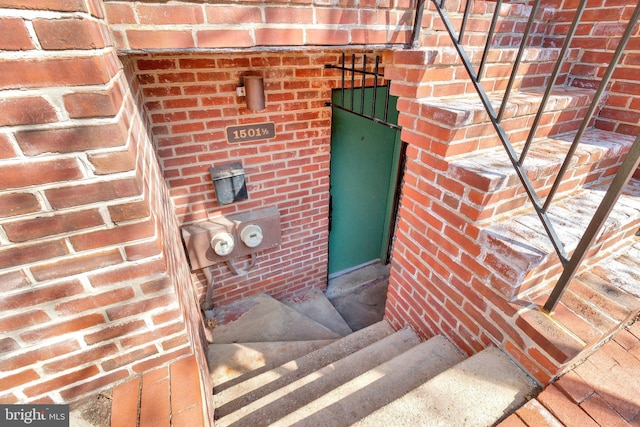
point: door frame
(395, 182)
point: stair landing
(597, 304)
(602, 391)
(261, 318)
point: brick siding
(93, 275)
(238, 24)
(441, 281)
(190, 100)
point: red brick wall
(190, 100)
(238, 24)
(601, 27)
(171, 244)
(90, 258)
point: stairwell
(272, 365)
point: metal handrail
(487, 46)
(516, 64)
(554, 75)
(506, 143)
(626, 171)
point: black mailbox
(229, 183)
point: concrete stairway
(374, 376)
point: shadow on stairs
(273, 365)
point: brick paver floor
(167, 396)
(602, 391)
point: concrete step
(476, 392)
(261, 318)
(519, 253)
(268, 409)
(357, 279)
(228, 399)
(378, 387)
(496, 191)
(316, 306)
(233, 363)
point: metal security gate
(355, 80)
(365, 165)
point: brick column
(94, 283)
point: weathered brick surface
(26, 111)
(183, 25)
(72, 143)
(51, 72)
(33, 229)
(81, 202)
(93, 104)
(440, 277)
(34, 142)
(49, 5)
(61, 34)
(18, 175)
(16, 35)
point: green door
(364, 167)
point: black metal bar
(386, 101)
(594, 104)
(552, 80)
(375, 88)
(516, 65)
(487, 46)
(504, 139)
(353, 78)
(626, 171)
(364, 70)
(417, 24)
(342, 88)
(465, 16)
(368, 73)
(390, 125)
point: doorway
(365, 162)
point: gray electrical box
(228, 237)
(229, 183)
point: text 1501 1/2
(253, 132)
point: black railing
(626, 171)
